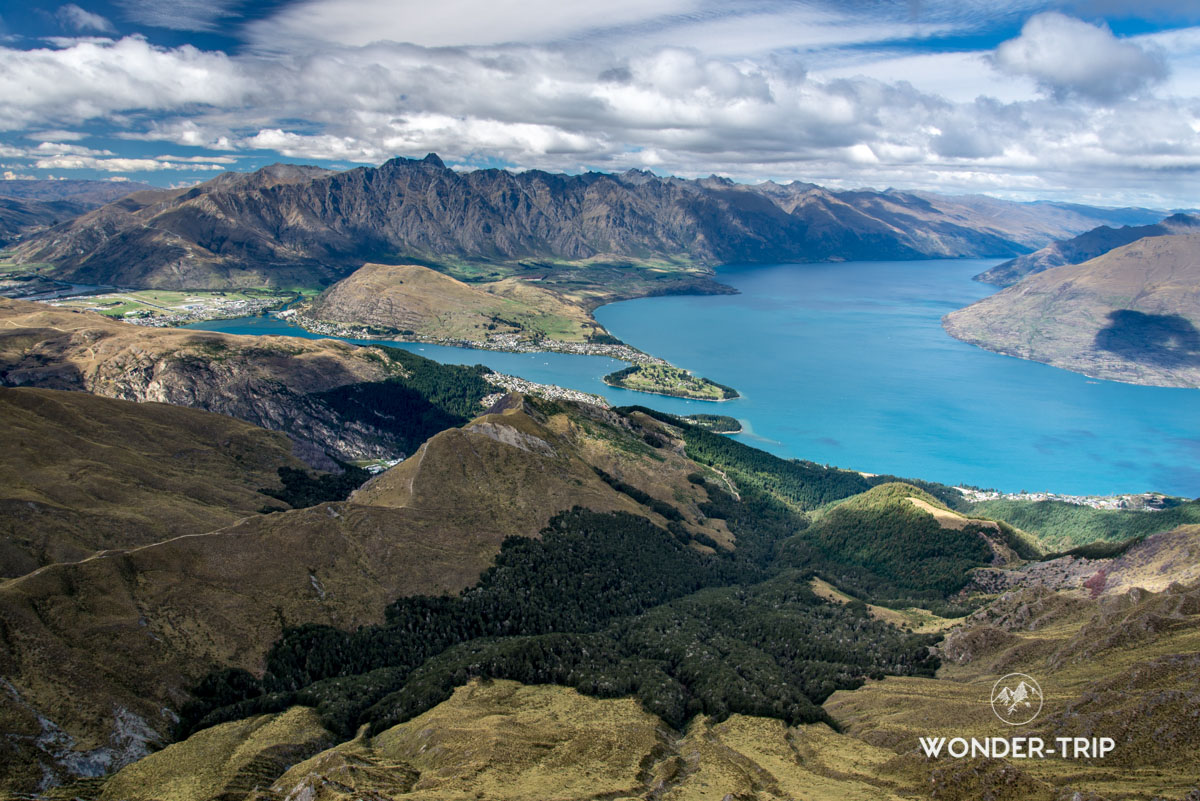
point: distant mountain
(90, 193)
(1086, 246)
(1132, 314)
(287, 225)
(19, 218)
(27, 207)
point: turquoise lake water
(847, 364)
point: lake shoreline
(847, 364)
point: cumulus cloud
(569, 108)
(62, 149)
(56, 135)
(1072, 58)
(90, 79)
(77, 19)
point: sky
(1093, 101)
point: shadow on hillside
(1162, 340)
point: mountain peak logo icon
(1016, 699)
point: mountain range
(289, 225)
(28, 206)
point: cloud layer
(1065, 108)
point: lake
(847, 364)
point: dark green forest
(607, 603)
(1064, 525)
(614, 605)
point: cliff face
(271, 382)
(288, 225)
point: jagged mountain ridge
(1086, 246)
(287, 225)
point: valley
(558, 594)
(678, 401)
(539, 590)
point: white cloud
(118, 164)
(77, 19)
(56, 135)
(93, 79)
(569, 107)
(1071, 58)
(957, 76)
(453, 22)
(60, 149)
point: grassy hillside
(417, 302)
(104, 650)
(79, 474)
(620, 554)
(897, 542)
(1121, 667)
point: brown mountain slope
(96, 654)
(1129, 315)
(91, 193)
(1086, 246)
(80, 473)
(267, 381)
(1120, 667)
(416, 300)
(20, 218)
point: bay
(847, 364)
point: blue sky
(1091, 100)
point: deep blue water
(847, 364)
